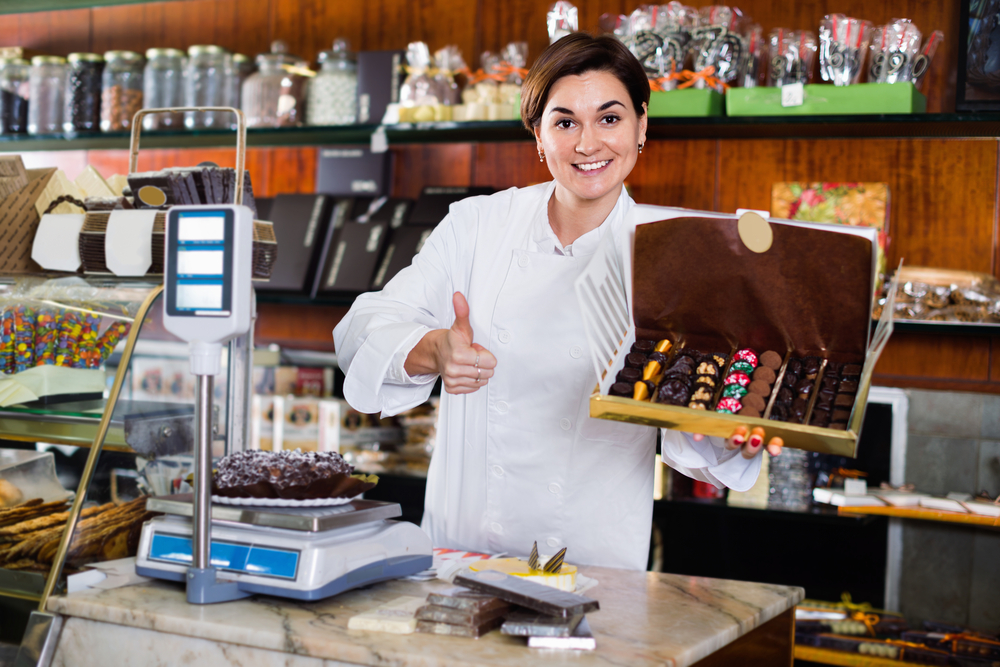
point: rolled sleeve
(709, 461)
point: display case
(125, 398)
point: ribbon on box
(502, 73)
(688, 79)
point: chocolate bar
(529, 624)
(473, 631)
(463, 598)
(581, 640)
(470, 617)
(527, 593)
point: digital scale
(227, 552)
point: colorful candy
(111, 337)
(46, 333)
(741, 379)
(7, 340)
(734, 391)
(24, 338)
(742, 367)
(747, 354)
(731, 405)
(87, 354)
(69, 335)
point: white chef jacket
(519, 460)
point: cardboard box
(300, 225)
(19, 221)
(715, 282)
(349, 171)
(829, 100)
(685, 103)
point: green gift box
(687, 102)
(829, 100)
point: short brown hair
(577, 53)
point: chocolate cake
(294, 475)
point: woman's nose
(588, 143)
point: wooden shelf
(26, 6)
(829, 657)
(965, 125)
(924, 514)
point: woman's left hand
(750, 447)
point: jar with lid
(121, 96)
(163, 87)
(46, 87)
(83, 93)
(14, 95)
(240, 67)
(274, 96)
(205, 83)
(333, 92)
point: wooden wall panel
(415, 167)
(508, 165)
(942, 198)
(676, 173)
(304, 327)
(919, 357)
(57, 33)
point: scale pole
(203, 473)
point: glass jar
(333, 92)
(240, 67)
(46, 87)
(163, 87)
(274, 96)
(14, 95)
(83, 93)
(205, 83)
(121, 95)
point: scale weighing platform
(298, 553)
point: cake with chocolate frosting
(293, 475)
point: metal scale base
(303, 554)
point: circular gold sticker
(150, 195)
(755, 232)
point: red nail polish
(756, 440)
(738, 440)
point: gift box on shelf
(690, 102)
(18, 213)
(718, 283)
(828, 100)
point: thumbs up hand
(464, 366)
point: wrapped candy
(614, 24)
(791, 55)
(115, 332)
(87, 355)
(843, 42)
(894, 47)
(658, 35)
(417, 97)
(922, 62)
(562, 20)
(24, 338)
(46, 332)
(7, 340)
(718, 44)
(70, 328)
(447, 62)
(753, 62)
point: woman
(488, 305)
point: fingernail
(738, 439)
(755, 440)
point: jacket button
(576, 352)
(502, 407)
(522, 261)
(553, 542)
(498, 471)
(504, 336)
(554, 488)
(496, 527)
(565, 424)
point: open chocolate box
(719, 284)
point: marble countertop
(646, 618)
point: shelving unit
(827, 657)
(923, 514)
(953, 126)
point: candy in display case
(714, 321)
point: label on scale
(230, 556)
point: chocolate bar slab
(527, 593)
(437, 614)
(530, 624)
(473, 631)
(581, 640)
(463, 598)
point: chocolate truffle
(790, 380)
(707, 368)
(760, 388)
(765, 374)
(706, 380)
(673, 392)
(779, 413)
(643, 346)
(850, 371)
(819, 418)
(658, 356)
(755, 401)
(810, 365)
(772, 360)
(804, 388)
(620, 389)
(635, 360)
(830, 381)
(844, 400)
(747, 411)
(630, 375)
(794, 367)
(785, 396)
(698, 405)
(702, 394)
(720, 358)
(825, 400)
(848, 387)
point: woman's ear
(643, 123)
(538, 138)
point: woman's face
(590, 133)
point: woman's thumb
(462, 324)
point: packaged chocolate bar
(463, 598)
(772, 293)
(516, 590)
(532, 624)
(438, 614)
(473, 631)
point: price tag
(380, 142)
(792, 95)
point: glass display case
(93, 376)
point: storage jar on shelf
(82, 111)
(205, 83)
(121, 96)
(333, 92)
(163, 87)
(46, 88)
(14, 74)
(274, 96)
(240, 68)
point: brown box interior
(19, 222)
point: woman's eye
(564, 124)
(610, 119)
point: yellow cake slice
(564, 579)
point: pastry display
(943, 295)
(293, 475)
(10, 495)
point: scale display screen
(199, 275)
(231, 556)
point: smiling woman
(518, 458)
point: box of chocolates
(735, 321)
